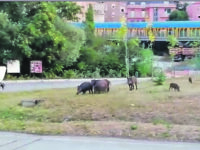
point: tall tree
(89, 25)
(51, 40)
(35, 30)
(8, 33)
(68, 10)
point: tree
(134, 49)
(173, 41)
(178, 15)
(145, 63)
(51, 40)
(16, 10)
(8, 33)
(68, 10)
(89, 25)
(122, 35)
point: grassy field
(151, 112)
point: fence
(184, 51)
(184, 73)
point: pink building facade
(98, 8)
(114, 11)
(149, 12)
(193, 11)
(103, 11)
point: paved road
(29, 85)
(17, 141)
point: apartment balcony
(99, 12)
(136, 6)
(137, 16)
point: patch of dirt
(122, 129)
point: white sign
(2, 72)
(13, 66)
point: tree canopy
(178, 15)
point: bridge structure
(182, 30)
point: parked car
(177, 58)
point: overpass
(182, 30)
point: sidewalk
(18, 141)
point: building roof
(166, 24)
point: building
(98, 8)
(149, 11)
(114, 11)
(193, 11)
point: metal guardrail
(184, 51)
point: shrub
(69, 74)
(49, 74)
(159, 78)
(134, 127)
(96, 73)
(10, 77)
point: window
(167, 10)
(143, 12)
(166, 2)
(113, 14)
(143, 3)
(155, 14)
(113, 6)
(122, 10)
(132, 14)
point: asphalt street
(18, 141)
(30, 85)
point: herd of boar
(95, 86)
(98, 86)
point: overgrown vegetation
(40, 31)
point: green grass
(64, 112)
